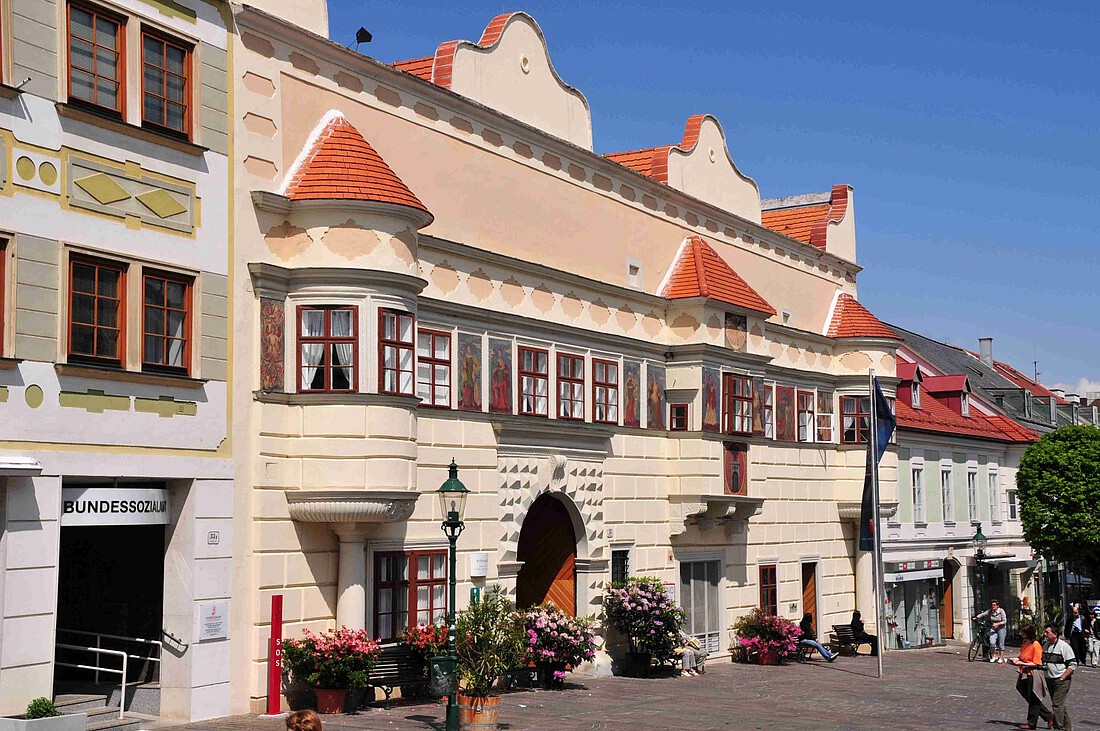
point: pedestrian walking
(303, 721)
(1058, 662)
(998, 630)
(1077, 632)
(1031, 684)
(1094, 640)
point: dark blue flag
(885, 422)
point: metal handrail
(100, 636)
(101, 651)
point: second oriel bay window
(533, 381)
(433, 368)
(166, 319)
(395, 372)
(570, 387)
(327, 349)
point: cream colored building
(636, 373)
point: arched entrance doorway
(548, 552)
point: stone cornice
(275, 203)
(715, 355)
(851, 510)
(329, 399)
(272, 280)
(350, 506)
(709, 510)
(533, 436)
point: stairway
(101, 705)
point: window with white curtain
(327, 347)
(947, 494)
(433, 368)
(972, 494)
(396, 374)
(994, 499)
(918, 494)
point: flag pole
(878, 593)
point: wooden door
(548, 550)
(947, 604)
(809, 590)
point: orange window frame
(165, 337)
(119, 21)
(167, 41)
(99, 266)
(408, 584)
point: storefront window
(912, 613)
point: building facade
(115, 465)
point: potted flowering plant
(641, 610)
(556, 641)
(428, 640)
(332, 663)
(489, 640)
(766, 637)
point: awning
(901, 576)
(14, 466)
(1011, 562)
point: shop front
(914, 602)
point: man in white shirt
(1058, 664)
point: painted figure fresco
(710, 399)
(632, 393)
(758, 406)
(655, 397)
(736, 464)
(736, 329)
(272, 342)
(469, 372)
(786, 422)
(500, 376)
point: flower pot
(637, 664)
(547, 677)
(768, 657)
(478, 714)
(355, 699)
(331, 701)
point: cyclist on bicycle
(998, 630)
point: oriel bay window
(327, 348)
(96, 311)
(167, 323)
(605, 391)
(570, 387)
(855, 414)
(533, 381)
(738, 411)
(96, 43)
(409, 588)
(165, 86)
(433, 368)
(396, 352)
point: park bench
(398, 666)
(843, 640)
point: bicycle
(980, 643)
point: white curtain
(313, 326)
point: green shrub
(489, 641)
(41, 708)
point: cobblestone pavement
(922, 689)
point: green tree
(1059, 494)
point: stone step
(79, 702)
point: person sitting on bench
(809, 637)
(692, 655)
(860, 634)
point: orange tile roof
(437, 67)
(798, 223)
(1018, 432)
(1036, 388)
(699, 271)
(852, 320)
(421, 67)
(653, 161)
(935, 416)
(945, 384)
(341, 165)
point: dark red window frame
(769, 594)
(855, 410)
(165, 308)
(432, 383)
(571, 382)
(806, 403)
(398, 347)
(678, 417)
(166, 42)
(737, 390)
(410, 585)
(327, 340)
(602, 389)
(98, 14)
(531, 378)
(99, 266)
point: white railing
(98, 650)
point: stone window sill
(100, 373)
(130, 130)
(7, 364)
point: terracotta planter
(478, 714)
(768, 657)
(331, 701)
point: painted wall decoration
(500, 376)
(710, 399)
(655, 396)
(632, 393)
(736, 331)
(736, 476)
(758, 406)
(272, 343)
(469, 372)
(786, 421)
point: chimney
(1059, 393)
(985, 350)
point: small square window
(678, 417)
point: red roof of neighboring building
(421, 67)
(341, 165)
(1036, 388)
(945, 384)
(809, 223)
(935, 416)
(437, 67)
(699, 271)
(1010, 427)
(653, 161)
(852, 320)
(906, 371)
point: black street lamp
(978, 542)
(452, 501)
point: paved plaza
(923, 689)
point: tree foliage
(1059, 495)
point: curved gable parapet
(510, 70)
(702, 167)
(836, 233)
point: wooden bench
(843, 640)
(398, 666)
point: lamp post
(978, 542)
(452, 501)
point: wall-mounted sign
(213, 537)
(213, 620)
(115, 506)
(479, 565)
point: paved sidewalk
(923, 689)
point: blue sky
(969, 130)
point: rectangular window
(605, 391)
(825, 417)
(855, 413)
(570, 387)
(327, 349)
(165, 83)
(409, 588)
(769, 410)
(620, 565)
(534, 381)
(96, 43)
(947, 495)
(918, 495)
(96, 311)
(678, 417)
(433, 368)
(396, 346)
(994, 499)
(699, 588)
(806, 421)
(738, 412)
(769, 594)
(166, 323)
(1012, 509)
(914, 391)
(972, 495)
